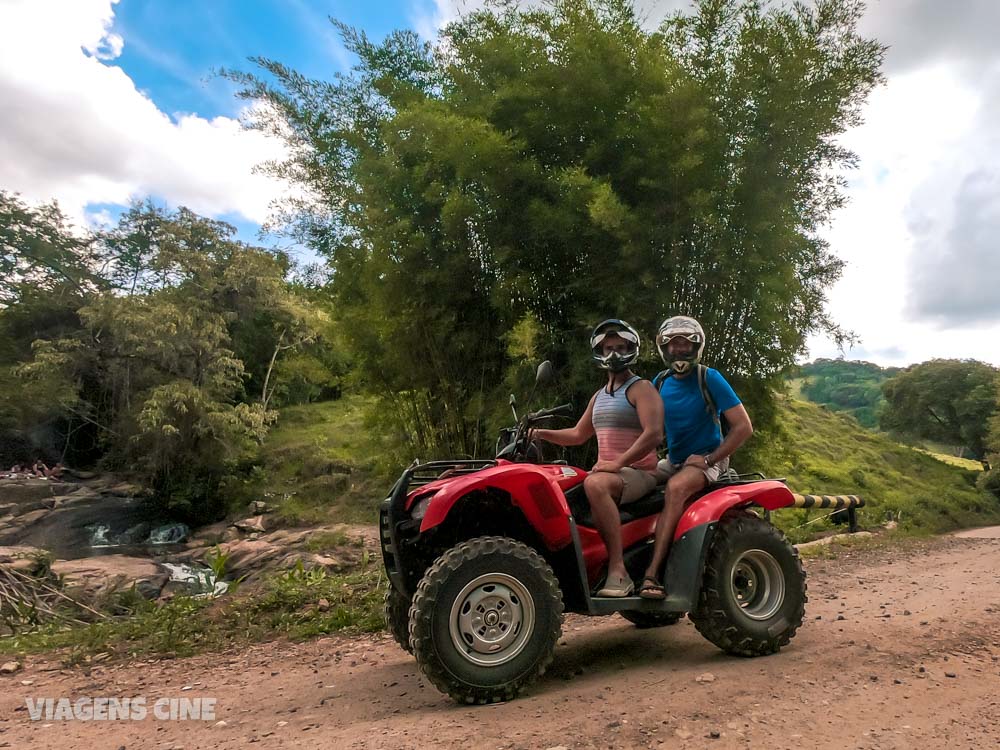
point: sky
(103, 101)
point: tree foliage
(40, 255)
(168, 360)
(848, 386)
(991, 479)
(563, 165)
(947, 400)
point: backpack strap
(659, 378)
(710, 406)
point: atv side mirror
(513, 404)
(544, 372)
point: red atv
(484, 556)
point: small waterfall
(171, 533)
(99, 535)
(199, 579)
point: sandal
(652, 589)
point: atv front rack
(421, 474)
(392, 512)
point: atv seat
(651, 503)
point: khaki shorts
(636, 483)
(665, 470)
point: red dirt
(912, 664)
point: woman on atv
(693, 396)
(627, 417)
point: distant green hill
(854, 387)
(830, 453)
(319, 466)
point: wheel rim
(757, 584)
(492, 619)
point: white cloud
(428, 16)
(927, 133)
(922, 32)
(76, 128)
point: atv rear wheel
(397, 617)
(754, 589)
(485, 619)
(650, 619)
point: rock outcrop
(96, 578)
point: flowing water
(197, 579)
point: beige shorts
(665, 470)
(636, 483)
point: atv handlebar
(515, 443)
(555, 411)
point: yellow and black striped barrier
(850, 503)
(835, 502)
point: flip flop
(652, 589)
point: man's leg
(681, 486)
(602, 489)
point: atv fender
(536, 490)
(769, 494)
(696, 528)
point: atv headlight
(419, 509)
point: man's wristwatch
(708, 464)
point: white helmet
(688, 328)
(614, 362)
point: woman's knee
(601, 484)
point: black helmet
(615, 361)
(688, 328)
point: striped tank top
(617, 426)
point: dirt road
(899, 650)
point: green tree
(990, 480)
(946, 400)
(565, 164)
(844, 385)
(171, 362)
(48, 271)
(39, 253)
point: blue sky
(110, 100)
(171, 50)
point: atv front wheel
(650, 619)
(754, 589)
(397, 617)
(485, 619)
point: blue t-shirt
(690, 429)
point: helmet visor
(622, 334)
(664, 337)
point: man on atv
(693, 397)
(627, 417)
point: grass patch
(831, 454)
(316, 466)
(322, 541)
(299, 603)
(964, 463)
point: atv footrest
(605, 605)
